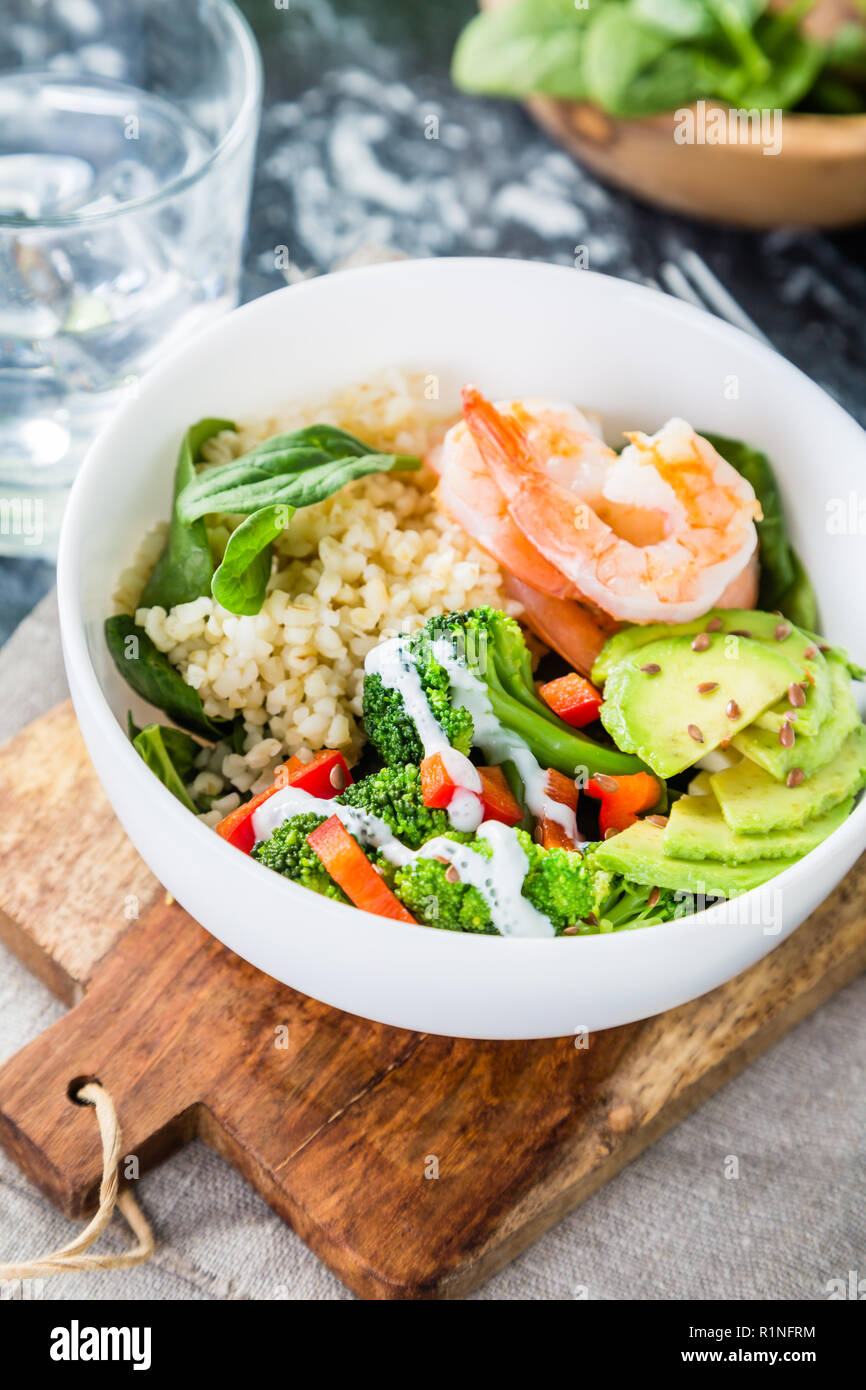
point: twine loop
(72, 1255)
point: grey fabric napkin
(673, 1225)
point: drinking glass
(127, 137)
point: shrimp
(469, 494)
(562, 624)
(657, 533)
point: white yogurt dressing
(396, 669)
(498, 878)
(366, 828)
(498, 744)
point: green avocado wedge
(764, 748)
(697, 830)
(671, 704)
(753, 802)
(733, 623)
(639, 854)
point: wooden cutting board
(414, 1166)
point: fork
(689, 278)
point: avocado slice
(753, 802)
(760, 627)
(659, 714)
(638, 853)
(811, 753)
(698, 830)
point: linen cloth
(671, 1226)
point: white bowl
(515, 328)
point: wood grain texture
(61, 910)
(340, 1129)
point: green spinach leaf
(183, 571)
(282, 455)
(291, 486)
(777, 560)
(798, 602)
(170, 755)
(241, 581)
(528, 46)
(151, 675)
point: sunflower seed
(607, 784)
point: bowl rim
(177, 821)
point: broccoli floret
(558, 883)
(491, 646)
(394, 795)
(437, 902)
(287, 851)
(563, 885)
(390, 728)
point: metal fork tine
(713, 293)
(676, 284)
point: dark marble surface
(345, 163)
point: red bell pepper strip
(623, 798)
(562, 789)
(349, 867)
(237, 826)
(326, 774)
(437, 784)
(573, 698)
(497, 799)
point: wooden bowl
(818, 178)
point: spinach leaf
(798, 602)
(241, 581)
(294, 489)
(618, 49)
(283, 454)
(682, 19)
(151, 675)
(523, 47)
(777, 560)
(170, 755)
(183, 571)
(796, 62)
